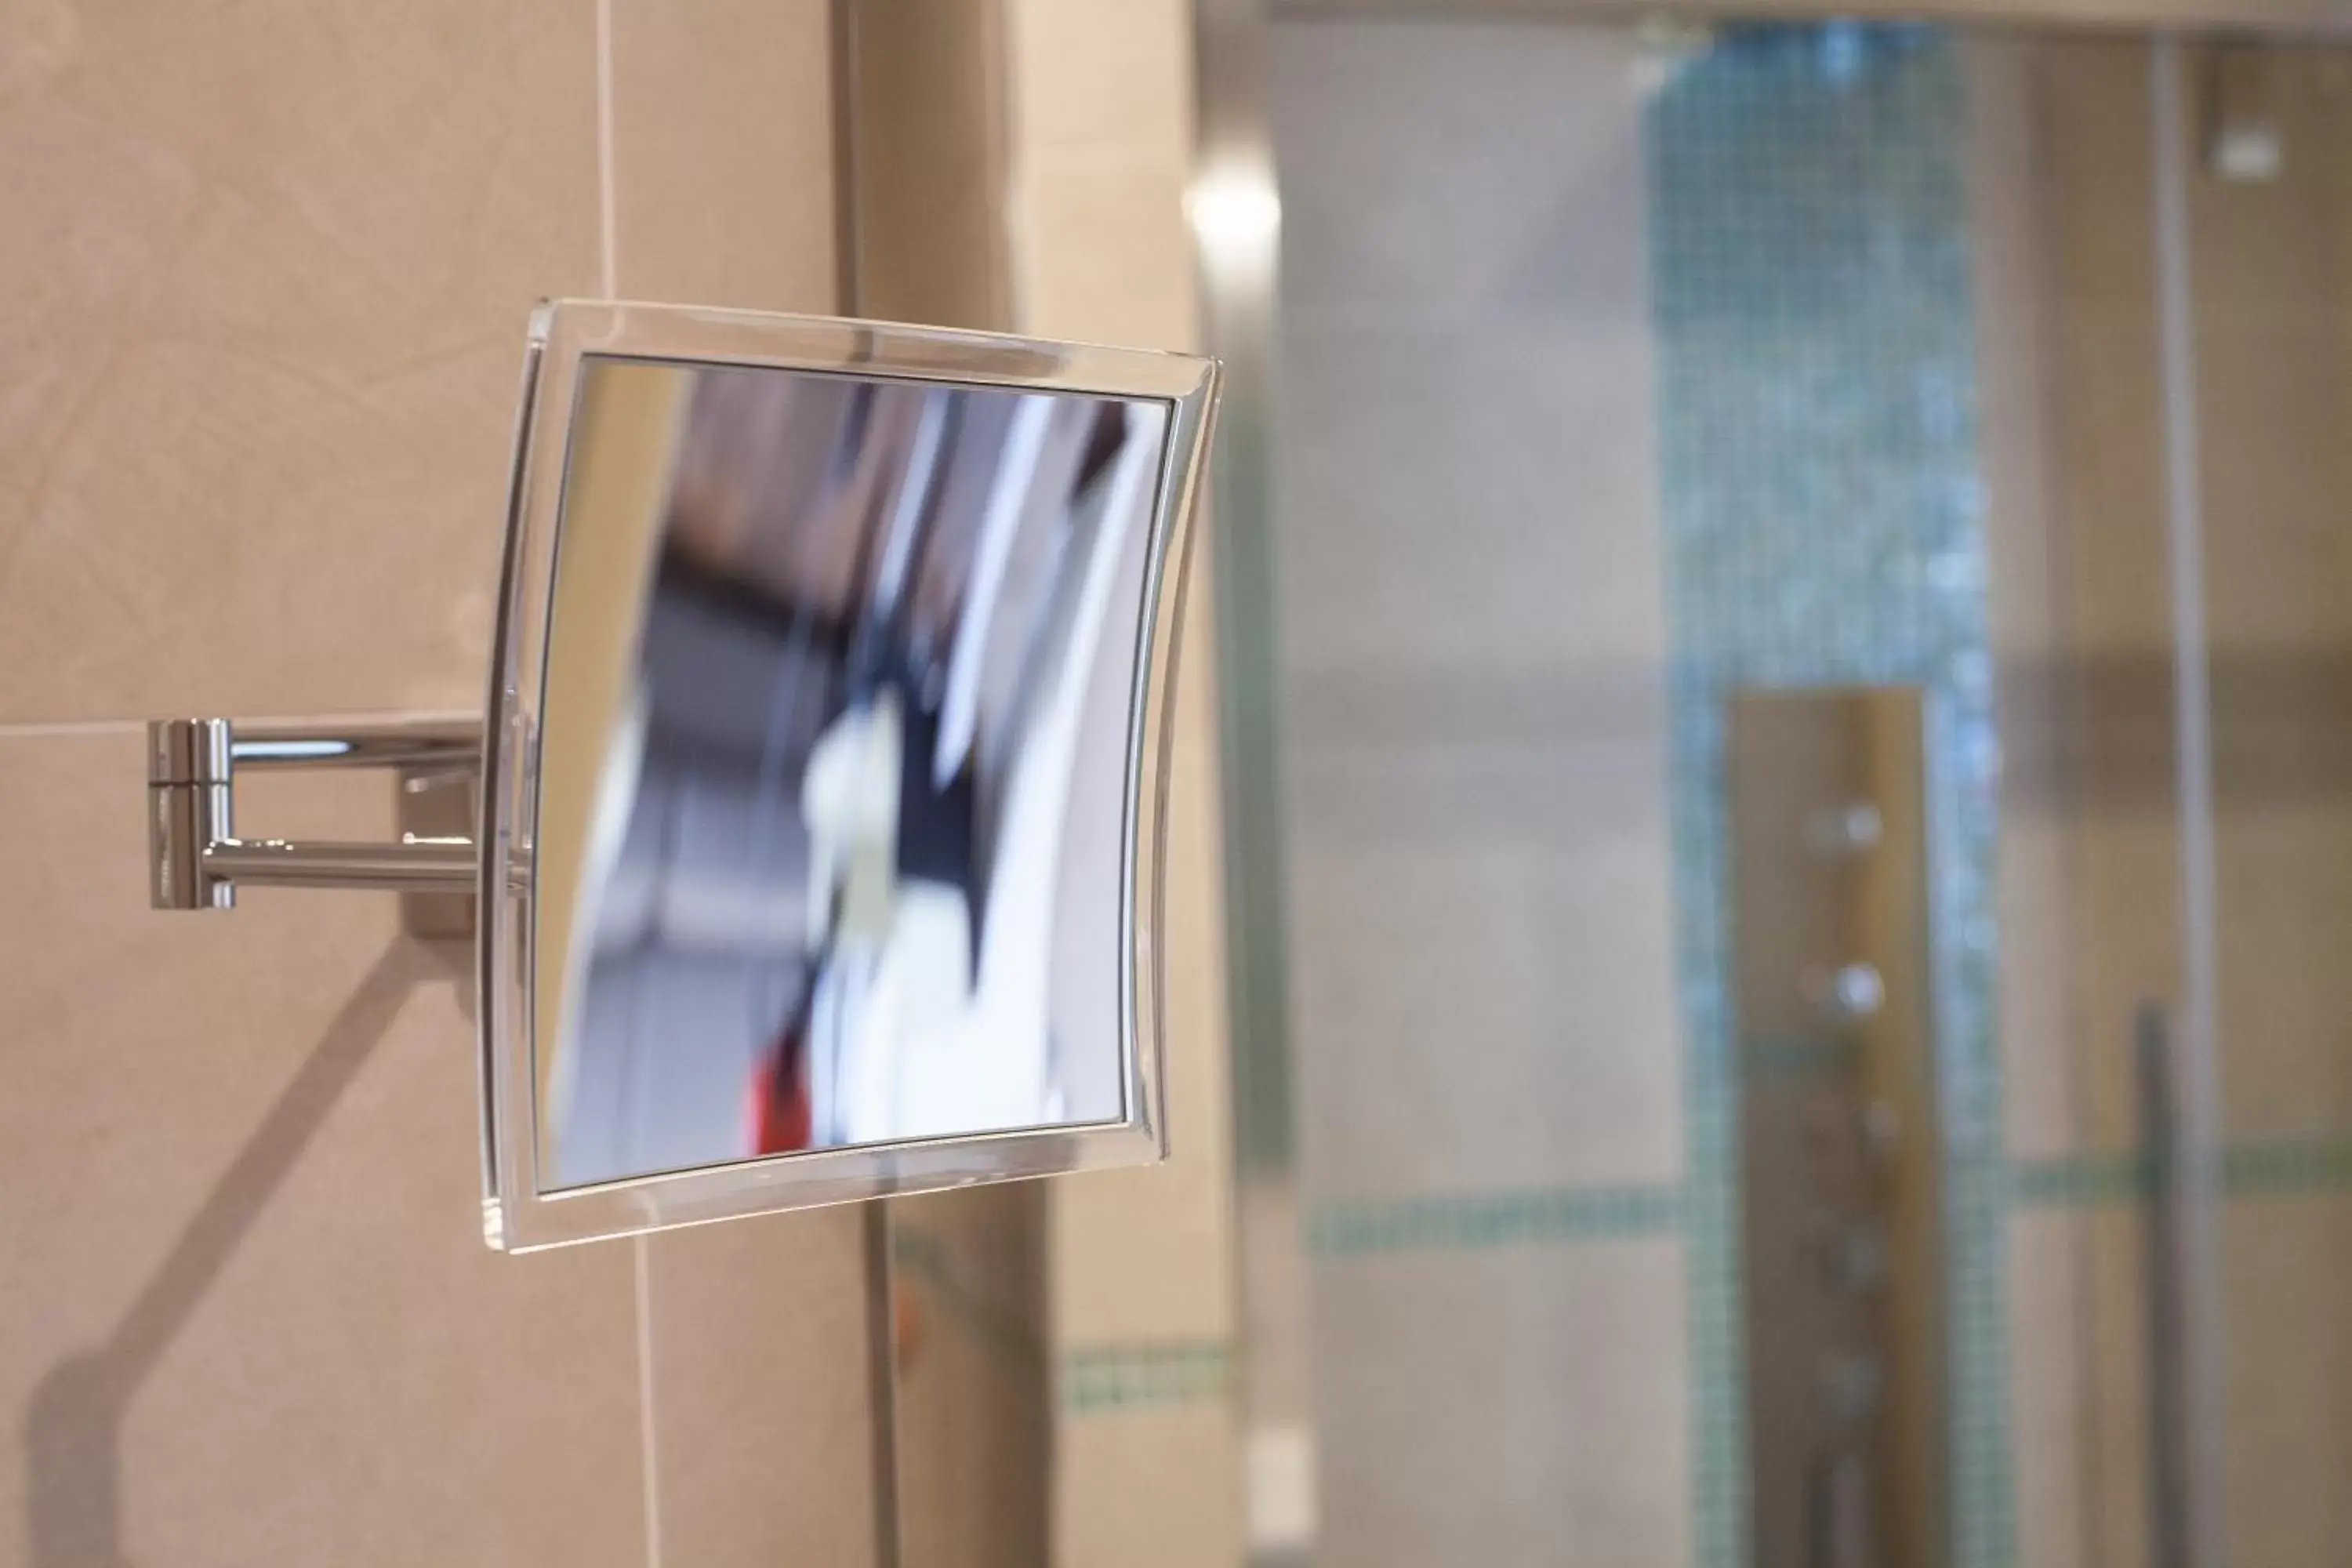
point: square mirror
(823, 765)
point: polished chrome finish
(188, 750)
(196, 860)
(188, 807)
(1839, 1135)
(420, 865)
(444, 745)
(431, 804)
(1845, 993)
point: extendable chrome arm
(194, 857)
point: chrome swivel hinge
(196, 860)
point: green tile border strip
(1153, 1375)
(2287, 1165)
(1094, 1379)
(2077, 1181)
(1475, 1221)
(2253, 1168)
(1159, 1374)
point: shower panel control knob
(1841, 832)
(1847, 994)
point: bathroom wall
(1473, 715)
(262, 294)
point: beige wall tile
(1463, 1394)
(263, 340)
(1472, 624)
(2286, 1272)
(974, 1429)
(1491, 1011)
(723, 166)
(2050, 1384)
(761, 1383)
(2275, 397)
(2115, 1343)
(1149, 1488)
(252, 1318)
(1101, 252)
(1092, 79)
(2039, 1113)
(931, 148)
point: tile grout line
(640, 1247)
(641, 1250)
(66, 729)
(608, 202)
(76, 728)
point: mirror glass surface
(833, 829)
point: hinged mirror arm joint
(195, 859)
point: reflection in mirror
(833, 819)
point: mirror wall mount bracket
(196, 861)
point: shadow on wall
(74, 1424)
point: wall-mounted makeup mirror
(819, 819)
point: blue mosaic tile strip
(1822, 505)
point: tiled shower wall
(1472, 645)
(263, 284)
(1812, 290)
(1555, 474)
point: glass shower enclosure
(1787, 607)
